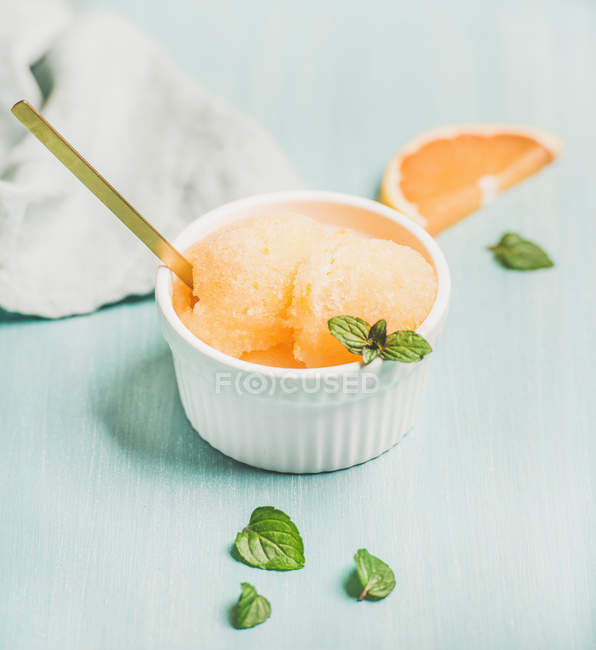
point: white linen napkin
(170, 148)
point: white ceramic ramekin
(306, 420)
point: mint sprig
(271, 541)
(514, 252)
(251, 608)
(357, 336)
(376, 577)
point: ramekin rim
(431, 322)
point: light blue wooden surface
(117, 518)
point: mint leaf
(251, 608)
(350, 331)
(376, 577)
(373, 342)
(405, 346)
(378, 333)
(271, 541)
(515, 252)
(370, 354)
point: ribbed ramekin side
(288, 437)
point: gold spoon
(109, 196)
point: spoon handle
(107, 194)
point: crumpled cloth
(170, 148)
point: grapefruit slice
(443, 175)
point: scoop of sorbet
(243, 276)
(367, 278)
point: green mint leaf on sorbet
(378, 333)
(515, 252)
(405, 346)
(271, 541)
(358, 337)
(251, 608)
(376, 578)
(350, 331)
(369, 355)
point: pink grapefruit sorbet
(265, 287)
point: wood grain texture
(117, 519)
